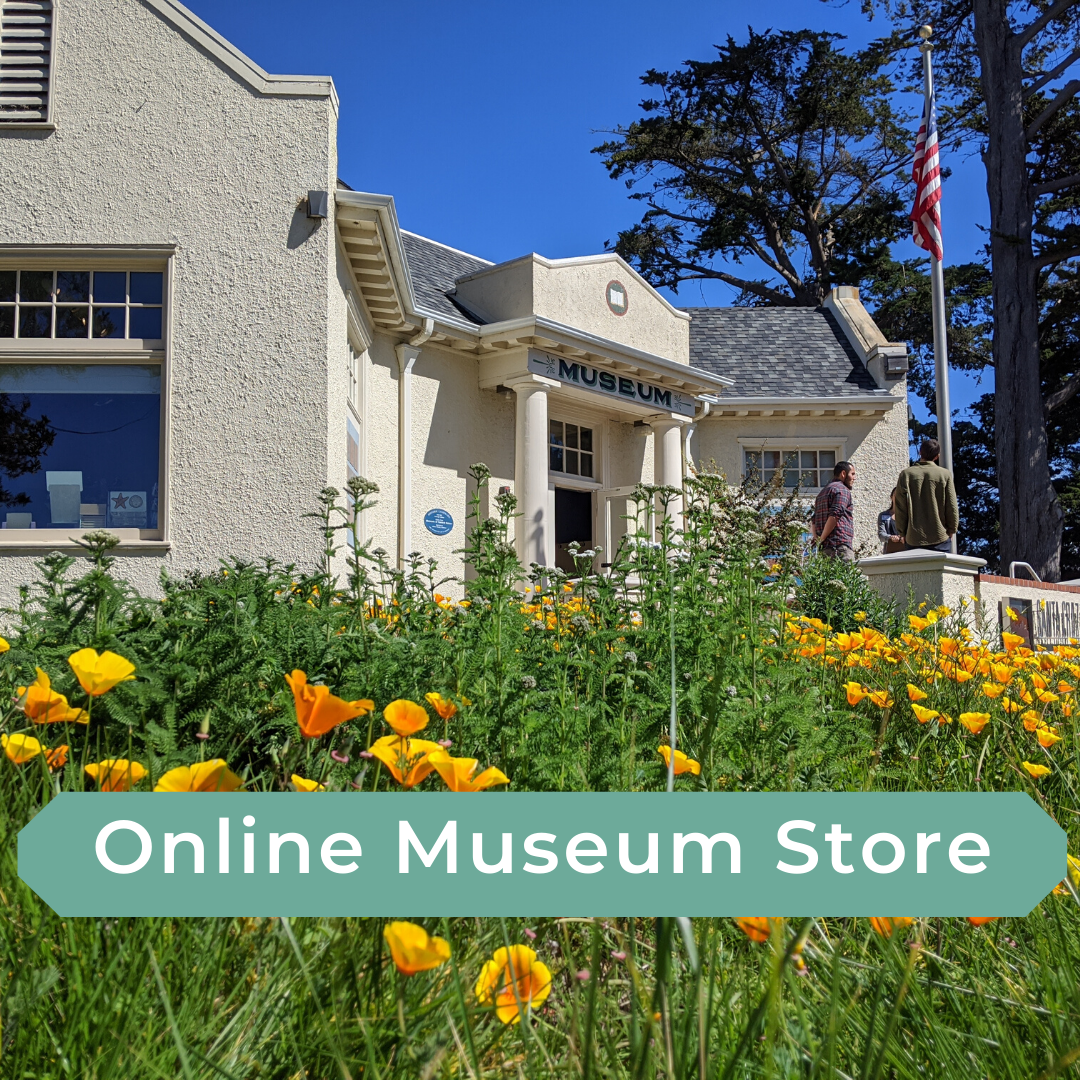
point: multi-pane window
(806, 469)
(355, 375)
(81, 304)
(94, 460)
(570, 449)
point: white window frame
(52, 351)
(836, 443)
(576, 480)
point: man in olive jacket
(927, 514)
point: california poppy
(406, 759)
(982, 920)
(1011, 641)
(116, 774)
(1046, 737)
(99, 674)
(855, 692)
(443, 706)
(974, 721)
(406, 717)
(515, 981)
(413, 950)
(45, 706)
(1034, 770)
(924, 715)
(318, 711)
(20, 748)
(887, 927)
(457, 773)
(56, 758)
(683, 764)
(756, 927)
(202, 776)
(915, 694)
(301, 784)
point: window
(570, 449)
(355, 379)
(808, 469)
(81, 304)
(25, 61)
(97, 459)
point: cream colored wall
(155, 143)
(877, 448)
(381, 434)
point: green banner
(529, 854)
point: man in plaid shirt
(833, 526)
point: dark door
(573, 521)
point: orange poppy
(318, 711)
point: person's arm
(883, 533)
(830, 524)
(901, 509)
(952, 508)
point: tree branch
(1065, 94)
(1056, 185)
(704, 273)
(1042, 80)
(1055, 256)
(1040, 24)
(1060, 397)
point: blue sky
(478, 117)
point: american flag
(926, 172)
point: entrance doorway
(573, 521)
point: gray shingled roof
(434, 270)
(777, 352)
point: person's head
(892, 499)
(929, 449)
(844, 471)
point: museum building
(216, 328)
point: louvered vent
(25, 60)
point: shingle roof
(434, 270)
(777, 352)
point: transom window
(807, 469)
(81, 304)
(570, 449)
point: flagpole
(937, 294)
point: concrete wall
(156, 142)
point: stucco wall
(878, 447)
(157, 143)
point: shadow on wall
(301, 228)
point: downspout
(407, 352)
(689, 434)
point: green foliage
(837, 593)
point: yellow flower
(4, 646)
(515, 981)
(202, 776)
(1002, 672)
(457, 773)
(116, 774)
(300, 784)
(99, 674)
(1046, 737)
(974, 721)
(881, 699)
(1032, 720)
(859, 616)
(855, 692)
(993, 690)
(682, 762)
(443, 706)
(1065, 688)
(412, 950)
(1011, 706)
(1046, 697)
(924, 716)
(915, 694)
(982, 920)
(756, 927)
(1011, 641)
(20, 748)
(1036, 771)
(406, 717)
(318, 711)
(1012, 614)
(45, 706)
(406, 759)
(917, 623)
(886, 927)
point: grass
(569, 688)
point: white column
(406, 358)
(534, 529)
(668, 463)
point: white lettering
(171, 840)
(505, 865)
(883, 838)
(223, 845)
(922, 843)
(783, 835)
(836, 838)
(956, 853)
(550, 858)
(407, 838)
(119, 868)
(650, 866)
(329, 852)
(585, 845)
(707, 843)
(288, 838)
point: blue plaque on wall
(438, 522)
